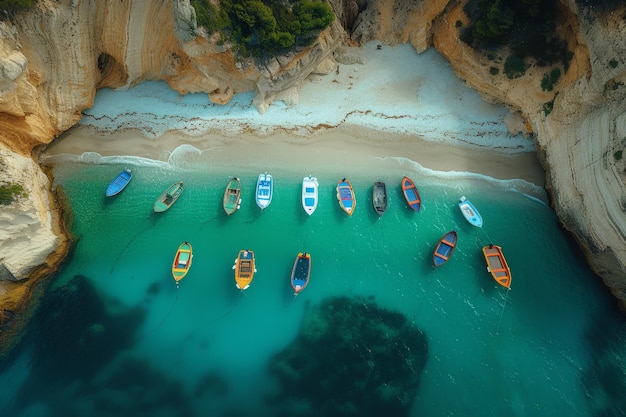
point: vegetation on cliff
(8, 193)
(527, 27)
(12, 5)
(257, 27)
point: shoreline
(338, 148)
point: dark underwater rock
(351, 357)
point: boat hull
(346, 197)
(445, 247)
(301, 272)
(182, 261)
(169, 197)
(470, 213)
(310, 188)
(245, 268)
(232, 196)
(379, 197)
(264, 190)
(411, 194)
(497, 265)
(120, 182)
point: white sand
(342, 149)
(395, 108)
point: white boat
(470, 213)
(264, 190)
(309, 194)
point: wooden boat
(119, 183)
(301, 272)
(346, 197)
(169, 197)
(470, 213)
(244, 269)
(232, 196)
(264, 190)
(411, 195)
(497, 266)
(379, 197)
(182, 261)
(444, 248)
(310, 188)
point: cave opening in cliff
(112, 72)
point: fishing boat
(444, 248)
(244, 269)
(264, 190)
(169, 197)
(497, 265)
(379, 197)
(301, 272)
(470, 213)
(182, 261)
(411, 195)
(119, 183)
(232, 196)
(310, 188)
(346, 197)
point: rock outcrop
(581, 138)
(54, 58)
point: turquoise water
(123, 340)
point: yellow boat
(182, 261)
(244, 269)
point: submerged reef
(351, 357)
(74, 341)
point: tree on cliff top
(526, 26)
(266, 26)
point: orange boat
(244, 269)
(496, 264)
(411, 195)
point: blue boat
(470, 213)
(346, 197)
(119, 183)
(444, 248)
(264, 190)
(301, 272)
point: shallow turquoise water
(550, 346)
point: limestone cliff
(55, 57)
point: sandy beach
(415, 115)
(341, 149)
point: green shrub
(617, 155)
(526, 26)
(12, 5)
(550, 80)
(212, 18)
(613, 63)
(514, 67)
(8, 193)
(257, 27)
(547, 107)
(493, 70)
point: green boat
(232, 194)
(168, 197)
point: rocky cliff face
(54, 58)
(581, 139)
